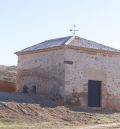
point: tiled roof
(48, 44)
(91, 44)
(81, 42)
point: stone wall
(65, 72)
(45, 70)
(86, 66)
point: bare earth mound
(34, 115)
(58, 117)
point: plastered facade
(45, 70)
(92, 66)
(65, 72)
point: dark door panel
(94, 93)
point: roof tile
(76, 41)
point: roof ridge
(69, 41)
(82, 42)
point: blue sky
(26, 22)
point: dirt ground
(28, 111)
(58, 117)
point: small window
(68, 62)
(25, 89)
(34, 89)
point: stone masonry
(64, 66)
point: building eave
(39, 50)
(92, 50)
(81, 49)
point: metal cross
(74, 29)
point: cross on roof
(74, 30)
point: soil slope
(25, 108)
(8, 73)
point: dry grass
(8, 124)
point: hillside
(8, 73)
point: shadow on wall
(33, 98)
(42, 100)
